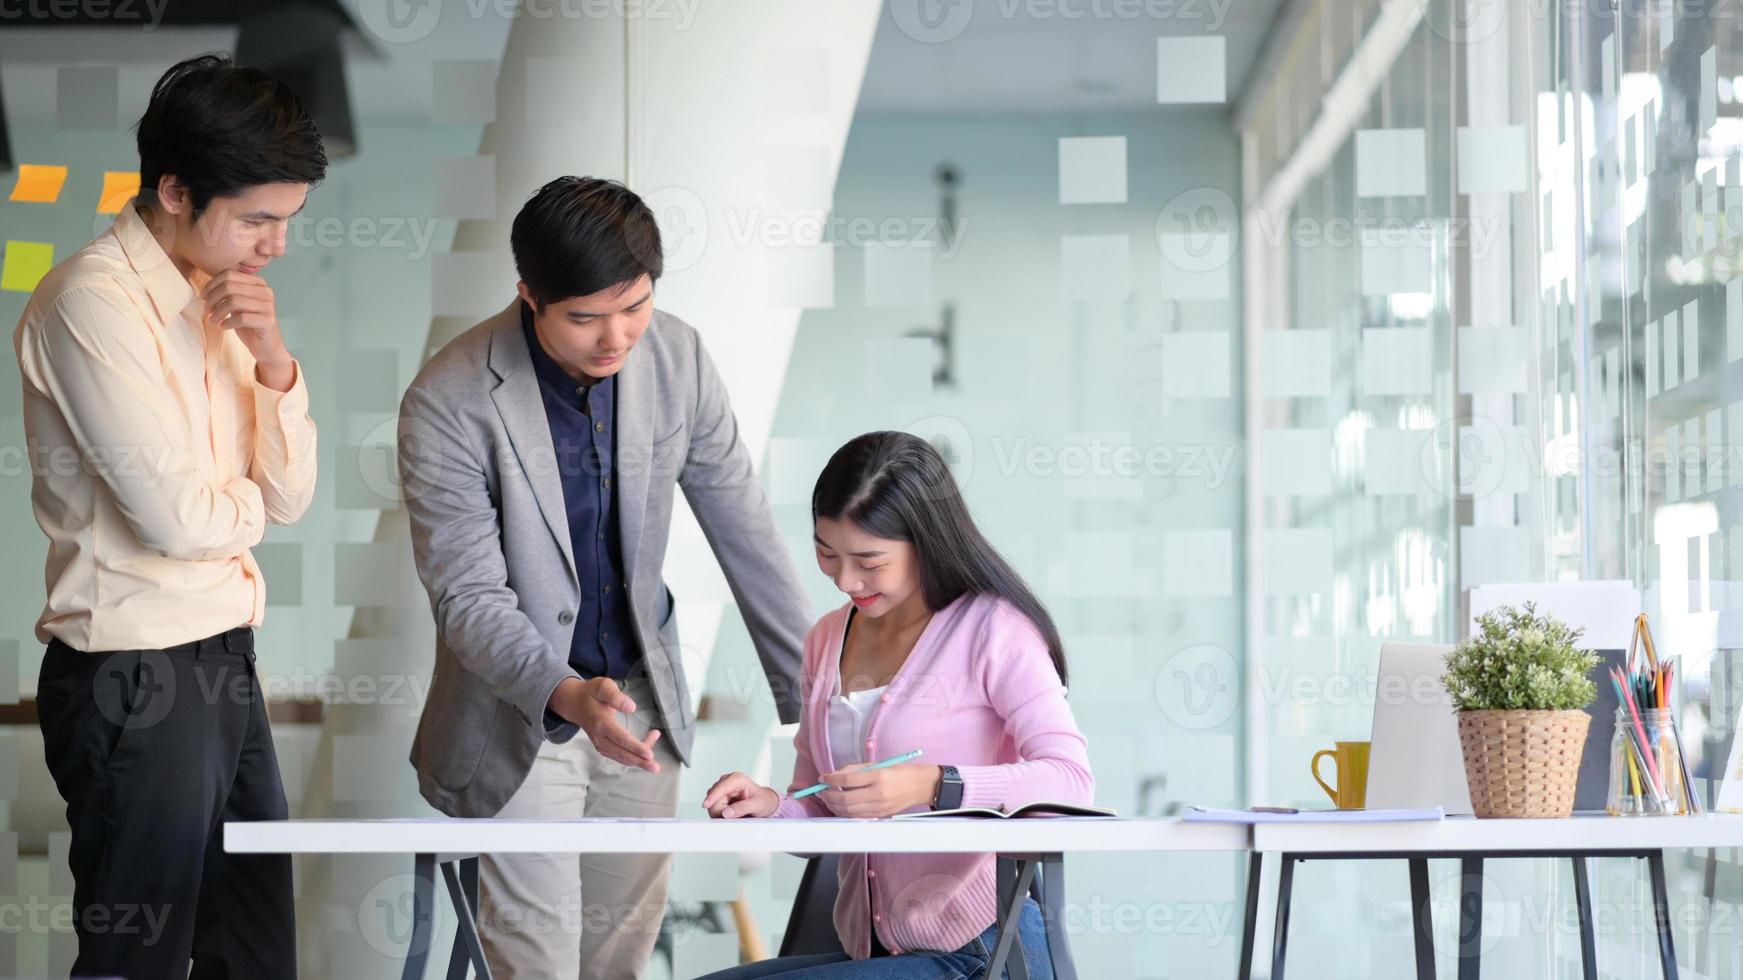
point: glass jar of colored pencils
(1646, 765)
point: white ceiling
(1044, 55)
(985, 56)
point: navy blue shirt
(584, 434)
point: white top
(849, 718)
(850, 715)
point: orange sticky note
(39, 183)
(25, 265)
(119, 186)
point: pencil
(894, 760)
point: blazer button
(565, 617)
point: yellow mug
(1352, 765)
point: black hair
(896, 485)
(220, 129)
(579, 235)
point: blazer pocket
(669, 616)
(461, 752)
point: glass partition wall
(1493, 301)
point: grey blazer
(490, 537)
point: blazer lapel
(636, 402)
(523, 416)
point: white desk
(1497, 837)
(1471, 841)
(1023, 846)
(933, 835)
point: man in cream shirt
(167, 424)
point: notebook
(1205, 814)
(1038, 808)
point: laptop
(1415, 761)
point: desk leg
(1470, 917)
(1280, 933)
(468, 950)
(1583, 901)
(1421, 919)
(1014, 876)
(423, 912)
(1053, 905)
(1661, 914)
(1250, 923)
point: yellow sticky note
(39, 183)
(25, 265)
(119, 186)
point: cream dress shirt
(156, 457)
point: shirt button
(565, 617)
(885, 699)
(868, 744)
(606, 483)
(599, 427)
(608, 587)
(870, 873)
(879, 917)
(895, 950)
(603, 636)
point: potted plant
(1519, 685)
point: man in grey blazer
(538, 454)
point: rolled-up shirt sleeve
(284, 449)
(104, 374)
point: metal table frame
(1470, 904)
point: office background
(1256, 330)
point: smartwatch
(949, 789)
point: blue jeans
(967, 963)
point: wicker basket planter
(1522, 763)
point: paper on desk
(1207, 814)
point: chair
(811, 925)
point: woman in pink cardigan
(940, 648)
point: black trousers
(154, 750)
